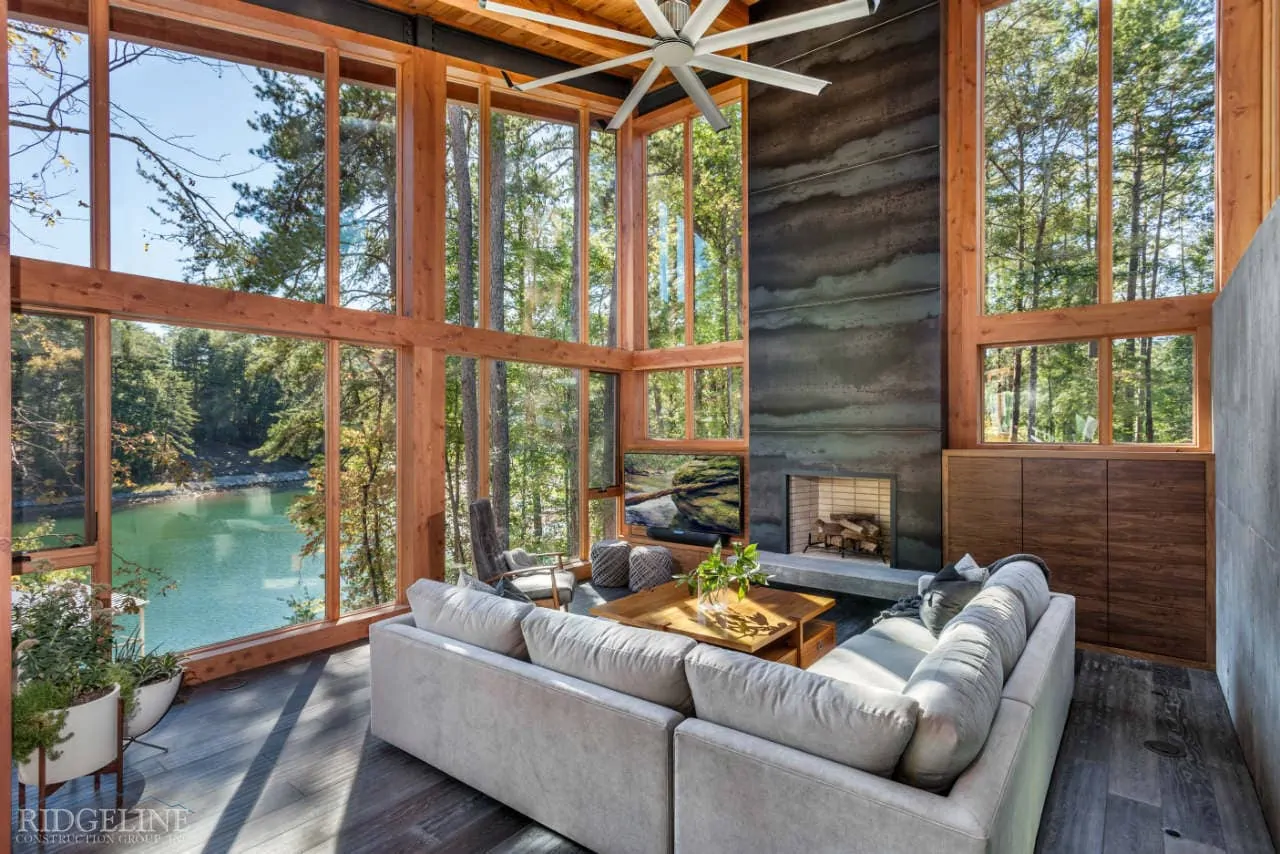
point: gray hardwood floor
(282, 760)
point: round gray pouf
(650, 566)
(609, 567)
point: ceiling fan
(680, 45)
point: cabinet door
(1158, 559)
(1064, 521)
(984, 508)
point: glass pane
(1154, 389)
(462, 216)
(368, 524)
(217, 170)
(1039, 394)
(604, 519)
(533, 456)
(602, 430)
(49, 398)
(664, 200)
(461, 459)
(1040, 112)
(1164, 144)
(368, 188)
(49, 142)
(666, 404)
(602, 263)
(217, 457)
(717, 403)
(717, 229)
(535, 210)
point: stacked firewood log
(850, 532)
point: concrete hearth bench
(855, 577)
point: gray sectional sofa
(626, 740)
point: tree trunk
(1032, 393)
(466, 297)
(499, 417)
(1017, 394)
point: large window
(49, 162)
(534, 456)
(693, 211)
(1053, 209)
(1094, 178)
(50, 417)
(218, 459)
(533, 191)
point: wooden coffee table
(775, 624)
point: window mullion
(1106, 121)
(332, 187)
(100, 134)
(688, 234)
(1106, 387)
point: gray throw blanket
(909, 606)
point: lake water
(236, 559)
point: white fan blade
(656, 19)
(698, 93)
(556, 21)
(637, 92)
(786, 25)
(703, 16)
(579, 72)
(760, 73)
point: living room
(563, 426)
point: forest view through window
(1051, 240)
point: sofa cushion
(906, 631)
(999, 610)
(639, 662)
(958, 688)
(873, 660)
(1028, 581)
(856, 725)
(474, 616)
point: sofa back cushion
(474, 616)
(999, 610)
(856, 725)
(639, 662)
(1028, 581)
(958, 688)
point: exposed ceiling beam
(603, 48)
(660, 98)
(422, 31)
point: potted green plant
(719, 581)
(68, 691)
(157, 676)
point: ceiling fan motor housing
(676, 12)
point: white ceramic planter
(152, 702)
(94, 740)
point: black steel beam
(672, 93)
(424, 32)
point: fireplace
(841, 517)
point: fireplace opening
(848, 518)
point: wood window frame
(1247, 165)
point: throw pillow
(1028, 577)
(946, 597)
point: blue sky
(203, 105)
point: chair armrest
(528, 570)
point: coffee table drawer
(819, 639)
(780, 653)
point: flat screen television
(693, 492)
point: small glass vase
(714, 601)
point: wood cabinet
(1128, 535)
